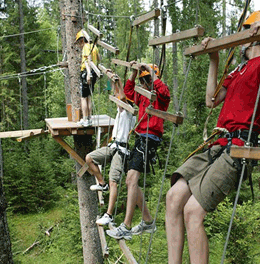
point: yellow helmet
(79, 35)
(254, 17)
(154, 67)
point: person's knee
(193, 215)
(112, 184)
(88, 159)
(173, 201)
(131, 179)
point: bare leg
(194, 215)
(89, 107)
(176, 199)
(132, 195)
(84, 106)
(94, 169)
(112, 196)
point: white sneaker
(98, 187)
(143, 227)
(104, 220)
(120, 232)
(89, 122)
(83, 122)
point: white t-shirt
(124, 122)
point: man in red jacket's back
(153, 128)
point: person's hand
(204, 44)
(254, 28)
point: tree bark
(88, 204)
(23, 68)
(5, 242)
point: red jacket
(161, 103)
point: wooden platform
(61, 126)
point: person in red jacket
(153, 129)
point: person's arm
(212, 78)
(134, 72)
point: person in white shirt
(116, 153)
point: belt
(242, 134)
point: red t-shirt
(242, 88)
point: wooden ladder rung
(103, 241)
(127, 107)
(151, 96)
(108, 73)
(176, 119)
(178, 36)
(125, 63)
(95, 31)
(108, 47)
(245, 152)
(147, 17)
(226, 42)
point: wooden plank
(82, 170)
(63, 64)
(151, 96)
(86, 35)
(69, 111)
(95, 68)
(245, 152)
(125, 63)
(77, 114)
(70, 150)
(226, 42)
(95, 31)
(147, 17)
(20, 133)
(178, 36)
(125, 249)
(32, 136)
(176, 119)
(108, 73)
(108, 47)
(127, 107)
(103, 241)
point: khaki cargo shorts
(106, 155)
(210, 182)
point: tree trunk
(88, 205)
(23, 68)
(5, 243)
(156, 34)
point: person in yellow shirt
(87, 80)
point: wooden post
(88, 203)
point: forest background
(39, 177)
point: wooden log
(95, 68)
(226, 42)
(86, 35)
(245, 152)
(124, 248)
(147, 17)
(125, 63)
(108, 47)
(108, 73)
(151, 96)
(103, 241)
(127, 107)
(63, 64)
(82, 170)
(20, 133)
(95, 31)
(32, 135)
(69, 112)
(77, 115)
(178, 36)
(176, 119)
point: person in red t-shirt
(149, 78)
(205, 179)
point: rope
(241, 177)
(21, 107)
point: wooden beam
(125, 63)
(125, 248)
(82, 170)
(20, 139)
(63, 64)
(69, 112)
(20, 133)
(95, 68)
(151, 96)
(95, 31)
(86, 35)
(147, 17)
(245, 152)
(176, 119)
(127, 107)
(178, 36)
(108, 47)
(226, 42)
(103, 241)
(108, 73)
